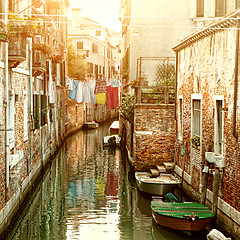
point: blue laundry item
(72, 93)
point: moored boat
(111, 141)
(160, 185)
(186, 216)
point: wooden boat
(90, 125)
(186, 216)
(160, 185)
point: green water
(89, 193)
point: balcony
(17, 49)
(3, 36)
(38, 62)
(155, 94)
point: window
(25, 117)
(237, 3)
(94, 48)
(43, 110)
(79, 45)
(196, 121)
(90, 67)
(180, 123)
(36, 111)
(200, 8)
(219, 127)
(98, 33)
(220, 9)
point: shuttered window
(36, 111)
(200, 8)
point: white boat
(160, 185)
(111, 141)
(114, 128)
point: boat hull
(181, 224)
(156, 186)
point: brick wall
(206, 67)
(154, 135)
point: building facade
(208, 118)
(151, 29)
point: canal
(90, 193)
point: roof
(223, 23)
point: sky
(106, 12)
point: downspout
(7, 149)
(31, 109)
(236, 82)
(176, 75)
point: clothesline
(95, 92)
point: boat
(114, 128)
(90, 125)
(185, 216)
(160, 185)
(111, 141)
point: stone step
(161, 169)
(154, 172)
(168, 165)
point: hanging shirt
(79, 95)
(114, 82)
(72, 93)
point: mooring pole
(215, 194)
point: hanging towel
(115, 97)
(70, 83)
(101, 98)
(109, 97)
(72, 93)
(86, 93)
(79, 94)
(51, 92)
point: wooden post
(215, 195)
(183, 169)
(204, 184)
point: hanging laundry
(115, 97)
(72, 93)
(101, 98)
(79, 94)
(101, 86)
(109, 97)
(69, 83)
(115, 82)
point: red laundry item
(115, 97)
(109, 98)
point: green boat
(186, 216)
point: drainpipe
(31, 109)
(236, 82)
(6, 101)
(176, 75)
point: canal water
(89, 193)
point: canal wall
(64, 118)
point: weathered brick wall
(2, 141)
(206, 67)
(154, 135)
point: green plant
(77, 66)
(196, 141)
(165, 74)
(127, 107)
(45, 47)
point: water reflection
(89, 193)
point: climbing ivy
(127, 107)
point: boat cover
(181, 210)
